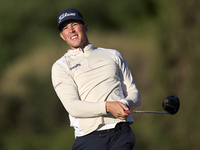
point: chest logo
(75, 66)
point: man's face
(74, 33)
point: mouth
(73, 37)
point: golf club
(170, 104)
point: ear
(86, 27)
(61, 35)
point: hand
(117, 109)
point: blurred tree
(30, 116)
(177, 68)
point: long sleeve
(130, 91)
(67, 92)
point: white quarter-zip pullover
(84, 79)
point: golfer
(95, 86)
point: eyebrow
(70, 21)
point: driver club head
(171, 104)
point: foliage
(159, 39)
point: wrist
(124, 102)
(107, 106)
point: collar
(79, 50)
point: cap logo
(66, 15)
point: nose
(71, 29)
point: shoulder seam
(112, 51)
(60, 61)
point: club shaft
(138, 111)
(154, 112)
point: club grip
(127, 111)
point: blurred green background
(160, 39)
